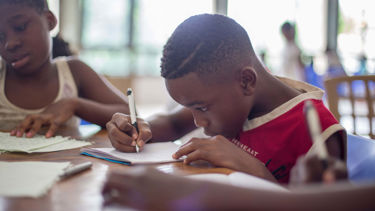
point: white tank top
(11, 115)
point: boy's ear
(51, 20)
(248, 79)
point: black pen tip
(129, 92)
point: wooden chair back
(359, 91)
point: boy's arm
(171, 126)
(98, 99)
(221, 152)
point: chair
(360, 158)
(353, 97)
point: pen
(76, 169)
(313, 124)
(133, 114)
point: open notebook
(152, 153)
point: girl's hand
(52, 117)
(124, 136)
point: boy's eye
(203, 109)
(21, 27)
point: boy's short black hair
(206, 43)
(39, 5)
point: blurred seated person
(292, 65)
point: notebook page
(152, 153)
(38, 143)
(29, 179)
(241, 180)
(22, 144)
(68, 144)
(249, 181)
(211, 177)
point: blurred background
(123, 39)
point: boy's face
(288, 34)
(24, 37)
(220, 108)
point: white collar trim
(311, 92)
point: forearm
(95, 112)
(169, 127)
(249, 164)
(163, 129)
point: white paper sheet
(29, 179)
(241, 180)
(152, 153)
(38, 143)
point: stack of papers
(37, 143)
(29, 179)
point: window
(262, 20)
(356, 36)
(128, 38)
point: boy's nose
(199, 121)
(12, 44)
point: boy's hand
(310, 169)
(217, 150)
(52, 117)
(123, 135)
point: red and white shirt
(278, 138)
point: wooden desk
(83, 191)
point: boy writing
(36, 91)
(255, 119)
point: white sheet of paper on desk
(68, 144)
(38, 143)
(152, 153)
(29, 179)
(241, 180)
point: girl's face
(25, 43)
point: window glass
(263, 18)
(356, 36)
(104, 24)
(112, 47)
